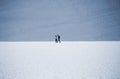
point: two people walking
(57, 38)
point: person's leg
(56, 40)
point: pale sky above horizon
(74, 20)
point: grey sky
(74, 20)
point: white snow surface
(67, 60)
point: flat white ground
(67, 60)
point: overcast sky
(74, 20)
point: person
(56, 40)
(58, 36)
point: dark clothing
(57, 38)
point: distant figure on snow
(57, 38)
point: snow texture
(67, 60)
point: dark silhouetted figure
(58, 38)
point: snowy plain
(67, 60)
